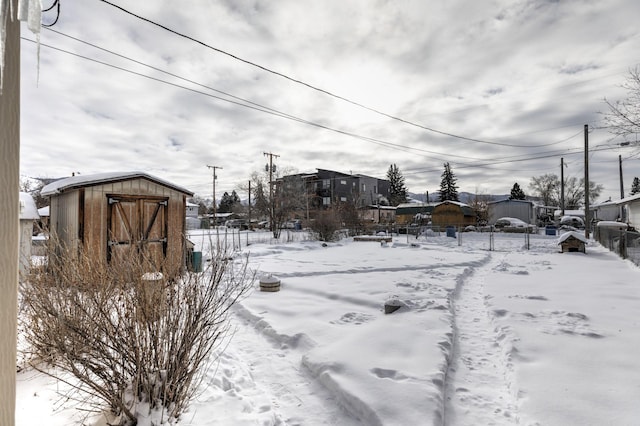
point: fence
(234, 239)
(621, 241)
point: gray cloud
(513, 72)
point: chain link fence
(624, 242)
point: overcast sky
(520, 77)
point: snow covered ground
(507, 336)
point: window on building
(343, 182)
(326, 201)
(343, 199)
(364, 187)
(326, 183)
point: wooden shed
(453, 213)
(109, 214)
(572, 242)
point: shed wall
(82, 215)
(633, 214)
(64, 219)
(451, 215)
(522, 211)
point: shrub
(137, 341)
(325, 225)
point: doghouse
(109, 214)
(572, 242)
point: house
(28, 215)
(109, 214)
(631, 206)
(607, 211)
(328, 188)
(453, 213)
(519, 209)
(192, 209)
(572, 241)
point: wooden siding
(64, 220)
(88, 222)
(451, 215)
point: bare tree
(480, 204)
(136, 341)
(548, 188)
(545, 187)
(623, 117)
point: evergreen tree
(228, 202)
(517, 193)
(397, 189)
(635, 186)
(448, 187)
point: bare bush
(135, 340)
(325, 225)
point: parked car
(512, 224)
(573, 221)
(237, 223)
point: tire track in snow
(480, 388)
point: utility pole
(562, 185)
(622, 210)
(271, 169)
(249, 204)
(215, 217)
(9, 209)
(621, 184)
(586, 181)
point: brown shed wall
(85, 213)
(450, 215)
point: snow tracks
(480, 388)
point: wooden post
(9, 219)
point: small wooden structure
(110, 214)
(572, 242)
(453, 213)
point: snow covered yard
(510, 336)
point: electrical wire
(258, 107)
(252, 105)
(318, 89)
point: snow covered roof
(79, 181)
(43, 211)
(574, 234)
(606, 203)
(511, 201)
(630, 199)
(28, 209)
(458, 203)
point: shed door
(137, 224)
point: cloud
(511, 72)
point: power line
(243, 102)
(318, 89)
(286, 115)
(258, 107)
